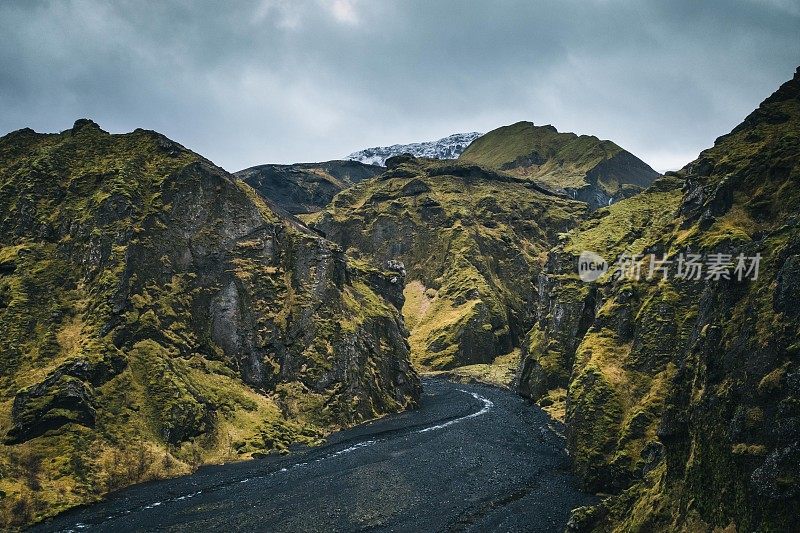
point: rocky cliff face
(472, 242)
(681, 394)
(584, 167)
(155, 314)
(449, 147)
(306, 187)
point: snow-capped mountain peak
(449, 147)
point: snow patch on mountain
(447, 148)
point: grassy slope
(501, 372)
(509, 147)
(678, 388)
(472, 242)
(161, 397)
(557, 160)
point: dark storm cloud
(281, 81)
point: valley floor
(471, 458)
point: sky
(282, 81)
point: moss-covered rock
(682, 395)
(471, 241)
(153, 306)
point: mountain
(306, 187)
(682, 395)
(156, 314)
(447, 148)
(471, 241)
(473, 233)
(584, 167)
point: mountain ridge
(585, 167)
(302, 188)
(681, 395)
(153, 305)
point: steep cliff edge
(584, 167)
(155, 314)
(682, 394)
(471, 240)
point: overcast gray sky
(286, 81)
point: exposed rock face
(584, 167)
(65, 396)
(306, 187)
(567, 306)
(152, 304)
(449, 147)
(565, 309)
(471, 241)
(682, 395)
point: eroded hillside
(683, 394)
(472, 242)
(306, 187)
(155, 314)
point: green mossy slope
(472, 242)
(155, 315)
(682, 396)
(588, 169)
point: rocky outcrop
(470, 240)
(306, 187)
(681, 394)
(65, 396)
(583, 167)
(564, 312)
(568, 307)
(154, 304)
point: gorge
(158, 313)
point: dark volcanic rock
(49, 405)
(65, 396)
(306, 187)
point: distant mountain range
(449, 147)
